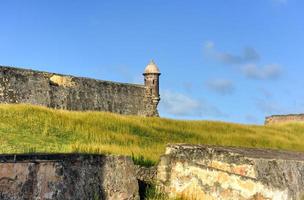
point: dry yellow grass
(26, 128)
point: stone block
(67, 176)
(210, 172)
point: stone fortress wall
(185, 171)
(76, 93)
(67, 176)
(213, 172)
(276, 119)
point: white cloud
(221, 86)
(181, 105)
(245, 62)
(248, 54)
(251, 71)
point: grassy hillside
(25, 128)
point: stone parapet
(278, 119)
(209, 172)
(67, 176)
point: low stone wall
(276, 119)
(67, 176)
(146, 174)
(189, 171)
(208, 172)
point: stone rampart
(220, 173)
(188, 171)
(278, 119)
(67, 177)
(73, 93)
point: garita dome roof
(152, 68)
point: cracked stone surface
(67, 176)
(212, 172)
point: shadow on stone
(143, 187)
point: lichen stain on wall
(239, 169)
(198, 172)
(193, 182)
(64, 81)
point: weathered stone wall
(276, 119)
(146, 174)
(73, 93)
(207, 172)
(194, 172)
(67, 177)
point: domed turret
(151, 75)
(151, 68)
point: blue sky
(236, 60)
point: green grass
(25, 128)
(153, 194)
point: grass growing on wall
(25, 128)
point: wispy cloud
(245, 63)
(252, 71)
(221, 86)
(181, 105)
(248, 54)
